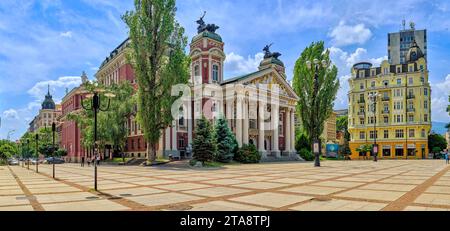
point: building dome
(48, 103)
(414, 53)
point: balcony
(385, 112)
(411, 110)
(410, 97)
(361, 113)
(361, 101)
(385, 98)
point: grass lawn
(118, 160)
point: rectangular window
(362, 135)
(411, 81)
(399, 134)
(386, 134)
(373, 134)
(411, 118)
(399, 81)
(425, 91)
(361, 121)
(425, 104)
(412, 133)
(361, 86)
(386, 120)
(215, 74)
(425, 118)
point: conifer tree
(225, 141)
(204, 146)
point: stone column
(174, 136)
(261, 135)
(275, 122)
(287, 131)
(189, 121)
(239, 116)
(229, 112)
(167, 146)
(292, 129)
(245, 118)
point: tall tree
(158, 57)
(225, 141)
(315, 109)
(342, 125)
(7, 150)
(111, 129)
(204, 145)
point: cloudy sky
(52, 41)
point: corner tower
(207, 55)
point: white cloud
(236, 64)
(67, 34)
(11, 114)
(39, 90)
(439, 100)
(344, 35)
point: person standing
(89, 161)
(82, 161)
(98, 159)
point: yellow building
(400, 118)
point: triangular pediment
(270, 77)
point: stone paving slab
(217, 191)
(261, 185)
(389, 187)
(439, 189)
(271, 199)
(164, 199)
(372, 194)
(225, 206)
(314, 190)
(419, 208)
(182, 186)
(338, 184)
(339, 205)
(434, 199)
(97, 205)
(133, 191)
(13, 200)
(65, 197)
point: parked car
(34, 160)
(54, 160)
(13, 161)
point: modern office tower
(400, 42)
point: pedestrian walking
(82, 161)
(89, 161)
(98, 160)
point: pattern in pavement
(412, 185)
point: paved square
(404, 185)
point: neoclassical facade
(259, 106)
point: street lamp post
(373, 97)
(53, 147)
(28, 154)
(37, 153)
(96, 107)
(316, 65)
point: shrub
(306, 154)
(248, 154)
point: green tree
(204, 146)
(315, 109)
(158, 57)
(365, 149)
(111, 128)
(302, 141)
(436, 143)
(225, 141)
(7, 150)
(342, 125)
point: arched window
(215, 73)
(181, 117)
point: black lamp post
(37, 153)
(96, 107)
(373, 98)
(53, 147)
(316, 65)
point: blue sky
(52, 41)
